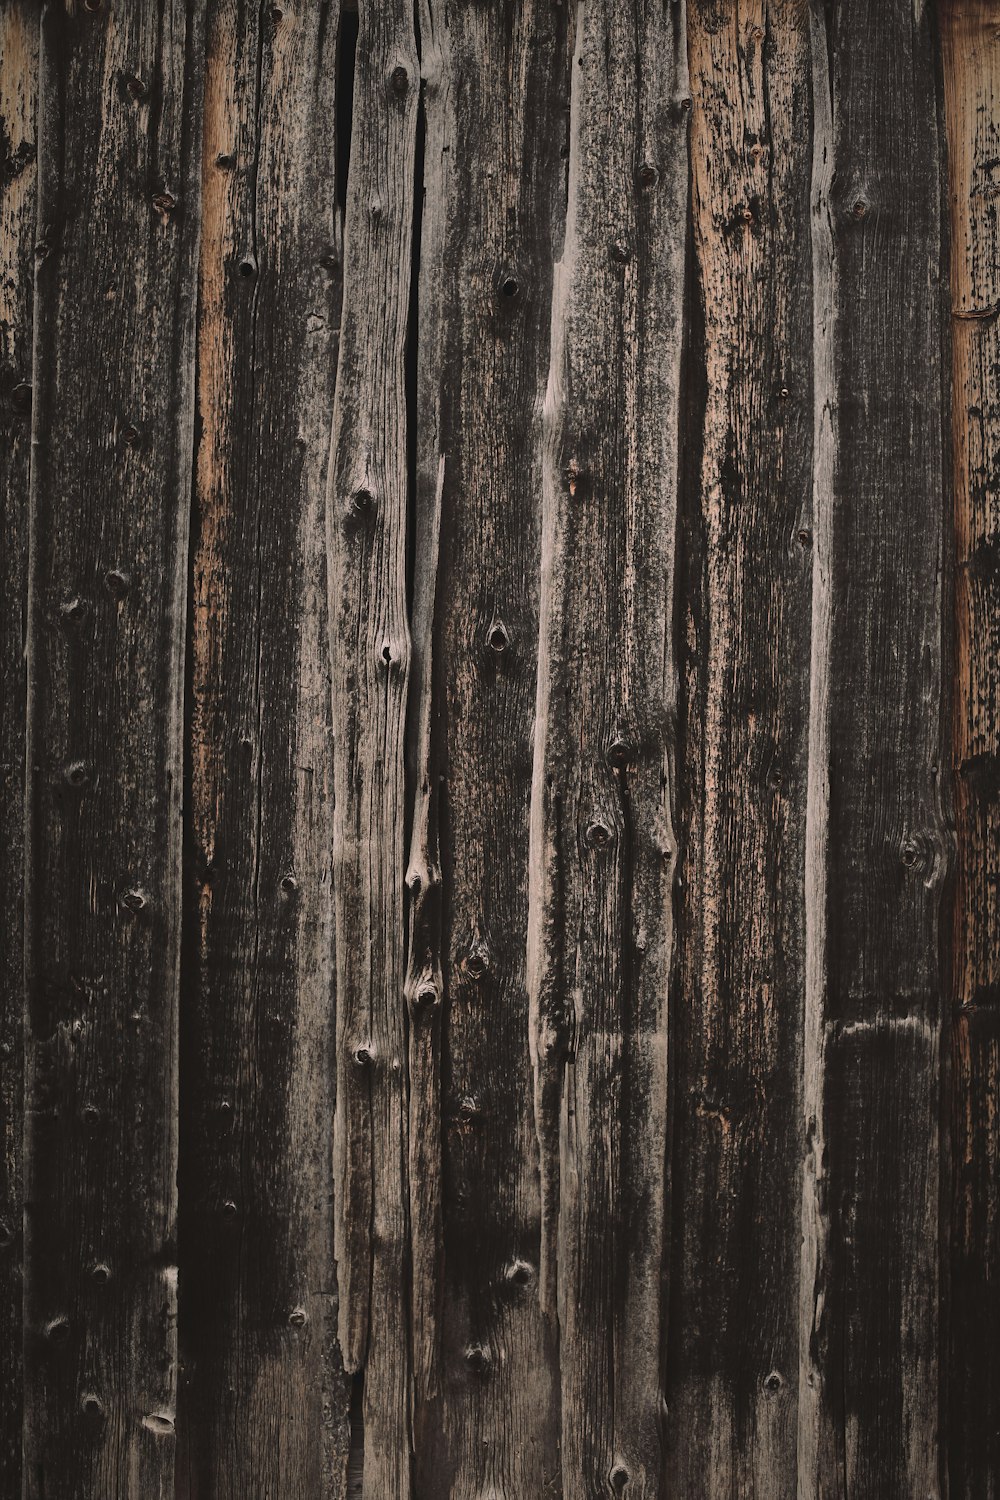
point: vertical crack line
(813, 1219)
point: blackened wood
(119, 151)
(746, 600)
(370, 662)
(264, 1401)
(602, 839)
(18, 193)
(971, 48)
(869, 1423)
(496, 84)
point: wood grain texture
(879, 823)
(494, 200)
(18, 194)
(746, 599)
(370, 661)
(264, 1402)
(119, 151)
(971, 54)
(602, 838)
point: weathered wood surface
(18, 193)
(367, 516)
(264, 1401)
(603, 855)
(879, 841)
(498, 672)
(490, 228)
(119, 126)
(746, 587)
(971, 55)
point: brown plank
(264, 1401)
(602, 838)
(18, 194)
(971, 55)
(119, 151)
(877, 857)
(496, 85)
(746, 573)
(370, 662)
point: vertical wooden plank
(870, 1335)
(264, 1402)
(602, 839)
(496, 85)
(370, 663)
(18, 193)
(971, 47)
(747, 580)
(119, 148)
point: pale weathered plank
(494, 198)
(119, 156)
(878, 820)
(602, 839)
(746, 584)
(18, 194)
(971, 48)
(370, 662)
(263, 1402)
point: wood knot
(478, 1359)
(77, 775)
(297, 1317)
(518, 1273)
(57, 1331)
(859, 208)
(100, 1274)
(618, 1479)
(498, 638)
(364, 1055)
(134, 901)
(399, 81)
(92, 1406)
(598, 835)
(477, 962)
(424, 999)
(229, 1209)
(164, 201)
(74, 611)
(620, 753)
(773, 1383)
(647, 175)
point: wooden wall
(500, 803)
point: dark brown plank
(18, 194)
(877, 854)
(264, 1401)
(119, 151)
(370, 661)
(496, 83)
(971, 51)
(602, 837)
(746, 572)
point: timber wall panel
(972, 94)
(18, 195)
(119, 132)
(499, 704)
(264, 1398)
